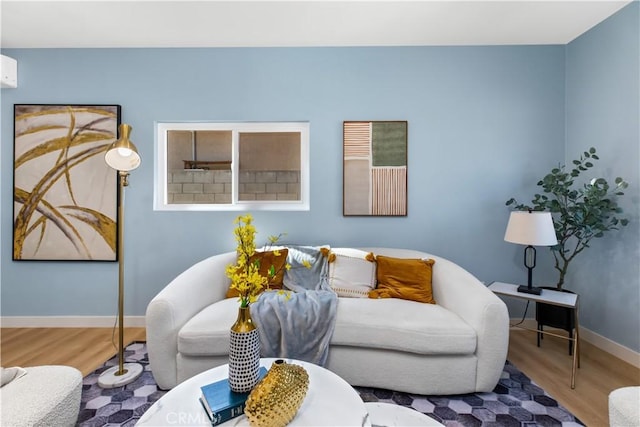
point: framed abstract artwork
(64, 194)
(374, 168)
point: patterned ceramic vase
(244, 353)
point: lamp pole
(123, 181)
(122, 156)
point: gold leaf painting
(64, 194)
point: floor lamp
(122, 156)
(531, 228)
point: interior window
(232, 166)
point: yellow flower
(245, 274)
(273, 239)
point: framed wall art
(64, 194)
(374, 168)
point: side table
(548, 296)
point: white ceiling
(53, 24)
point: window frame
(160, 193)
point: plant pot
(556, 317)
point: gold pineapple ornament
(278, 396)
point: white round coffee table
(330, 401)
(388, 414)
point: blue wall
(485, 123)
(603, 111)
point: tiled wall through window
(214, 186)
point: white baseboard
(603, 343)
(68, 321)
(618, 350)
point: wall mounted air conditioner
(8, 72)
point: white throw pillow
(351, 274)
(9, 374)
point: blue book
(220, 403)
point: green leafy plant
(580, 211)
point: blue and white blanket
(299, 327)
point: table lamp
(122, 156)
(531, 228)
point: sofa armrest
(197, 287)
(459, 291)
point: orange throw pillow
(267, 259)
(404, 278)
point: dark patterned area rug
(516, 400)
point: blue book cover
(222, 404)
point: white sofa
(458, 345)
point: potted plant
(252, 273)
(581, 211)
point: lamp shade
(123, 155)
(531, 228)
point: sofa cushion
(207, 333)
(352, 272)
(404, 278)
(390, 323)
(397, 324)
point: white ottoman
(624, 407)
(44, 396)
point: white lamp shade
(123, 155)
(531, 228)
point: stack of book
(221, 403)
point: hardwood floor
(83, 348)
(549, 366)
